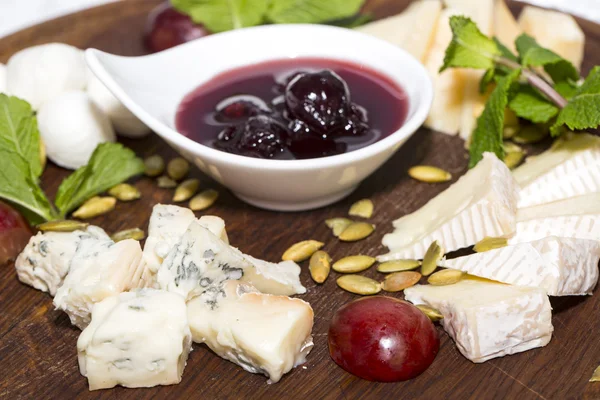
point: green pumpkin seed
(165, 182)
(155, 165)
(513, 158)
(356, 231)
(432, 256)
(432, 313)
(43, 157)
(398, 265)
(445, 277)
(302, 250)
(429, 174)
(596, 375)
(135, 234)
(337, 225)
(358, 284)
(353, 264)
(186, 190)
(510, 131)
(178, 168)
(362, 208)
(204, 200)
(95, 206)
(125, 192)
(400, 280)
(490, 243)
(510, 147)
(530, 134)
(63, 226)
(319, 266)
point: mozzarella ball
(71, 126)
(123, 120)
(2, 78)
(40, 73)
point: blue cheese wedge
(560, 266)
(262, 333)
(570, 168)
(46, 259)
(481, 203)
(135, 339)
(488, 319)
(100, 269)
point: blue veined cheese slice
(100, 269)
(488, 319)
(560, 266)
(135, 339)
(46, 259)
(481, 203)
(200, 262)
(262, 333)
(570, 168)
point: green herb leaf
(224, 15)
(351, 22)
(528, 103)
(311, 11)
(110, 164)
(19, 133)
(499, 70)
(487, 136)
(534, 55)
(18, 186)
(469, 47)
(566, 89)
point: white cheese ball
(71, 126)
(40, 73)
(2, 78)
(123, 120)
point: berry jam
(293, 109)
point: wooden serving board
(38, 357)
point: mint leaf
(19, 132)
(18, 186)
(566, 89)
(487, 136)
(469, 47)
(110, 164)
(224, 15)
(528, 103)
(591, 83)
(534, 55)
(311, 11)
(499, 70)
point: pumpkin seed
(178, 168)
(301, 250)
(135, 234)
(362, 208)
(95, 206)
(358, 284)
(490, 243)
(204, 200)
(510, 131)
(445, 277)
(63, 226)
(530, 134)
(125, 192)
(400, 280)
(398, 265)
(338, 225)
(155, 165)
(596, 375)
(356, 231)
(165, 182)
(433, 313)
(186, 190)
(432, 256)
(352, 264)
(319, 266)
(43, 157)
(429, 174)
(510, 147)
(513, 158)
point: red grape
(168, 28)
(382, 339)
(14, 233)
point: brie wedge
(481, 203)
(560, 266)
(488, 319)
(135, 339)
(262, 333)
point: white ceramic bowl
(153, 86)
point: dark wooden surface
(38, 345)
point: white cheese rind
(481, 203)
(560, 266)
(135, 339)
(46, 259)
(488, 319)
(100, 269)
(262, 333)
